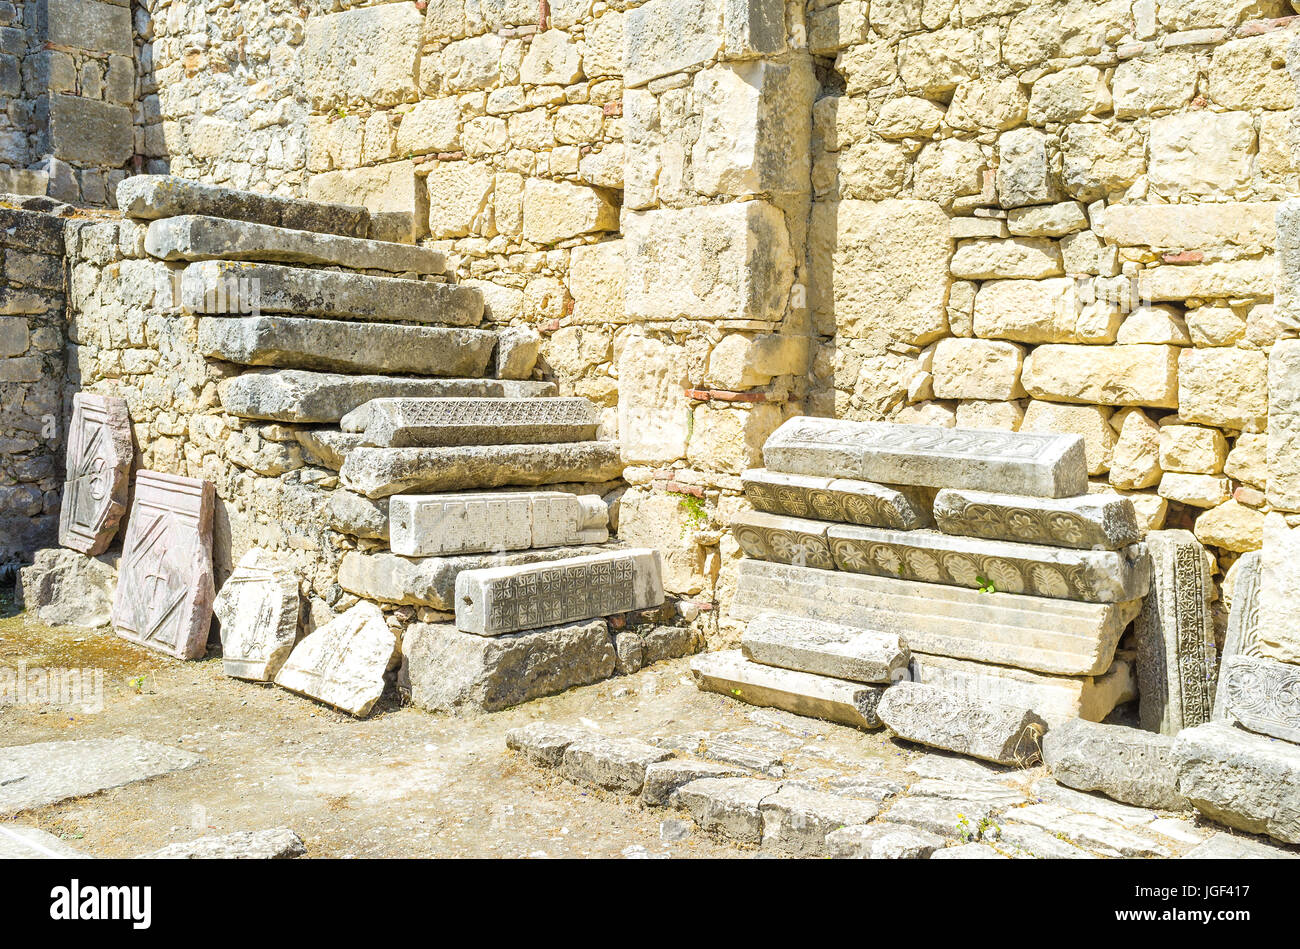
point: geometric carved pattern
(1263, 694)
(554, 595)
(98, 462)
(165, 586)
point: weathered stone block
(664, 778)
(614, 764)
(435, 423)
(66, 588)
(91, 25)
(558, 210)
(87, 131)
(826, 649)
(1226, 387)
(835, 700)
(728, 807)
(977, 369)
(99, 453)
(336, 345)
(1174, 227)
(257, 608)
(452, 671)
(796, 821)
(654, 416)
(1025, 463)
(1283, 451)
(379, 472)
(1059, 637)
(1201, 153)
(1088, 522)
(464, 523)
(1104, 375)
(394, 200)
(836, 499)
(343, 662)
(668, 36)
(936, 717)
(1027, 258)
(1024, 174)
(367, 56)
(883, 840)
(1263, 695)
(1127, 764)
(543, 743)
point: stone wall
(31, 381)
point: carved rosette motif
(790, 547)
(1263, 695)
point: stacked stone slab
(1002, 588)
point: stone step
(1053, 698)
(379, 472)
(299, 395)
(452, 671)
(967, 725)
(233, 287)
(198, 237)
(1263, 695)
(339, 346)
(148, 197)
(826, 649)
(495, 600)
(834, 700)
(837, 499)
(1088, 522)
(1127, 764)
(440, 423)
(1241, 779)
(432, 525)
(1037, 464)
(1094, 576)
(1059, 637)
(431, 581)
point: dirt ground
(402, 783)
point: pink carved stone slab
(165, 586)
(99, 461)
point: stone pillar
(717, 111)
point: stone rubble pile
(970, 562)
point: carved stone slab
(836, 499)
(1087, 522)
(1038, 464)
(343, 662)
(1060, 637)
(99, 462)
(835, 700)
(480, 522)
(1263, 695)
(165, 587)
(505, 599)
(929, 715)
(828, 649)
(1175, 636)
(435, 423)
(1242, 638)
(1094, 576)
(783, 539)
(258, 610)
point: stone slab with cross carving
(99, 463)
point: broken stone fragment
(937, 717)
(836, 499)
(257, 608)
(1127, 764)
(343, 662)
(1088, 522)
(822, 648)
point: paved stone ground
(408, 783)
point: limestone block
(988, 103)
(1038, 465)
(981, 414)
(1283, 441)
(257, 608)
(1029, 311)
(1069, 95)
(1055, 699)
(396, 200)
(1242, 278)
(1231, 526)
(1135, 458)
(668, 36)
(553, 58)
(1279, 619)
(664, 521)
(935, 63)
(1173, 227)
(1105, 375)
(939, 718)
(556, 210)
(879, 269)
(1051, 220)
(1154, 85)
(1127, 764)
(380, 472)
(1089, 522)
(339, 345)
(99, 453)
(730, 261)
(1215, 326)
(1099, 159)
(1091, 576)
(1090, 421)
(65, 588)
(351, 514)
(366, 56)
(86, 131)
(1175, 636)
(1024, 174)
(596, 277)
(1242, 780)
(950, 169)
(1058, 637)
(1223, 387)
(883, 840)
(433, 125)
(343, 662)
(1202, 154)
(1242, 635)
(654, 417)
(729, 807)
(730, 673)
(469, 522)
(97, 27)
(495, 600)
(836, 499)
(165, 585)
(977, 369)
(1226, 846)
(1023, 257)
(826, 649)
(1247, 461)
(1162, 325)
(908, 117)
(797, 821)
(1192, 448)
(405, 423)
(1195, 490)
(147, 197)
(542, 742)
(430, 581)
(1251, 73)
(459, 198)
(1261, 695)
(279, 843)
(743, 362)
